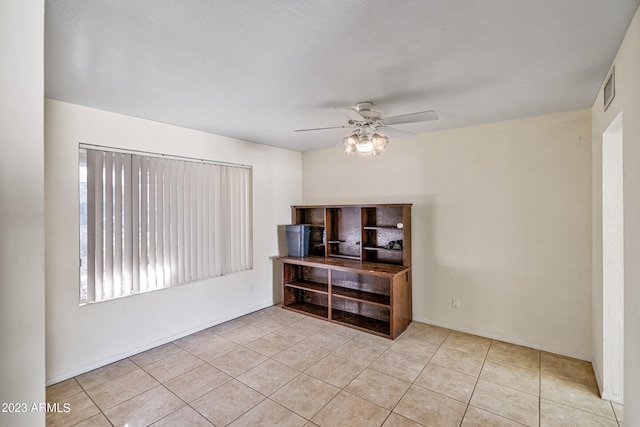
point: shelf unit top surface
(366, 205)
(347, 265)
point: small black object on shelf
(395, 245)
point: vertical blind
(153, 222)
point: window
(149, 222)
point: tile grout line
(476, 383)
(413, 382)
(103, 382)
(271, 357)
(232, 378)
(94, 402)
(341, 389)
(539, 388)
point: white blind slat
(166, 229)
(193, 239)
(158, 266)
(99, 226)
(181, 224)
(135, 224)
(218, 229)
(211, 218)
(187, 223)
(199, 229)
(233, 206)
(175, 236)
(152, 210)
(108, 233)
(117, 225)
(205, 222)
(127, 265)
(144, 228)
(91, 225)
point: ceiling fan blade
(352, 114)
(422, 116)
(330, 127)
(395, 132)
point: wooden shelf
(350, 276)
(309, 308)
(309, 286)
(358, 295)
(344, 256)
(361, 322)
(376, 248)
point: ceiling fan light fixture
(380, 142)
(350, 139)
(364, 148)
(349, 143)
(365, 140)
(350, 149)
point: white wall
(82, 338)
(22, 370)
(627, 101)
(501, 219)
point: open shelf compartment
(308, 286)
(386, 234)
(381, 327)
(368, 316)
(314, 217)
(302, 276)
(306, 289)
(344, 232)
(364, 287)
(308, 302)
(382, 217)
(309, 308)
(356, 295)
(383, 255)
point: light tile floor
(279, 368)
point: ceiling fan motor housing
(364, 109)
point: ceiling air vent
(610, 88)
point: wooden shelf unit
(353, 275)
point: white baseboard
(511, 340)
(612, 398)
(117, 357)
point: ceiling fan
(365, 137)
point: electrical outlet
(455, 302)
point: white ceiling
(258, 69)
